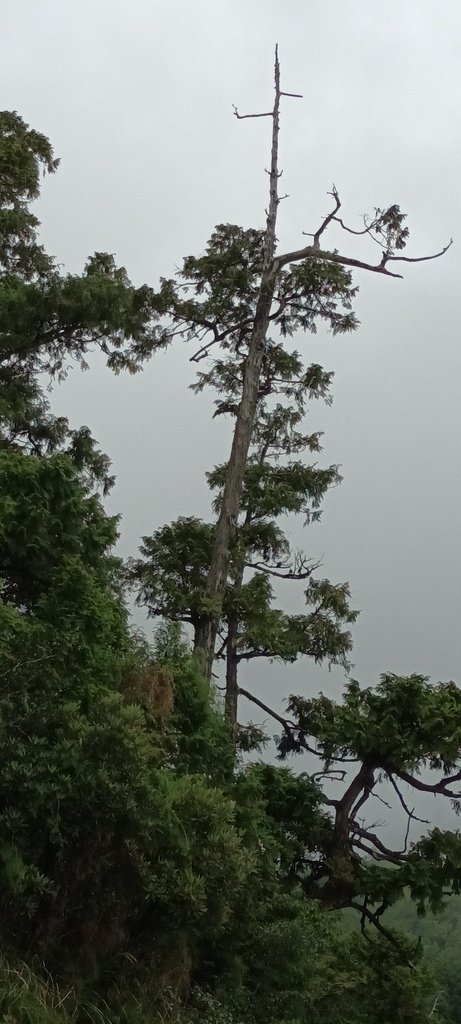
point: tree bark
(232, 492)
(231, 701)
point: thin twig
(411, 814)
(420, 259)
(352, 231)
(242, 117)
(381, 800)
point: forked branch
(312, 252)
(387, 223)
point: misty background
(136, 99)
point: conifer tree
(171, 576)
(241, 292)
(48, 318)
(133, 844)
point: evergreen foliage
(171, 577)
(157, 874)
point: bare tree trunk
(231, 701)
(230, 506)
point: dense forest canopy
(156, 864)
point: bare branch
(288, 727)
(328, 219)
(334, 257)
(267, 113)
(218, 336)
(367, 230)
(284, 722)
(436, 787)
(411, 814)
(242, 117)
(364, 231)
(346, 261)
(381, 800)
(202, 352)
(421, 259)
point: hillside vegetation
(155, 866)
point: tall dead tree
(230, 505)
(385, 228)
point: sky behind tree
(137, 101)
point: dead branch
(272, 264)
(328, 218)
(436, 787)
(364, 231)
(268, 113)
(242, 117)
(421, 259)
(367, 230)
(411, 814)
(335, 257)
(313, 252)
(203, 351)
(218, 336)
(381, 800)
(310, 251)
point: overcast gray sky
(137, 100)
